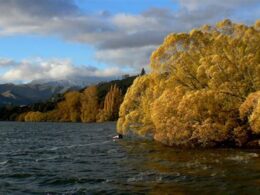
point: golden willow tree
(203, 89)
(89, 104)
(33, 117)
(112, 103)
(69, 109)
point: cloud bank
(120, 39)
(52, 69)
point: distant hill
(41, 90)
(25, 94)
(9, 112)
(123, 84)
(72, 82)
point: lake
(77, 158)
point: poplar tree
(69, 109)
(112, 103)
(89, 104)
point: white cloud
(54, 69)
(5, 62)
(134, 23)
(134, 57)
(228, 4)
(120, 39)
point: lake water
(74, 158)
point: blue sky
(19, 47)
(30, 46)
(126, 6)
(100, 38)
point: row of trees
(203, 90)
(81, 107)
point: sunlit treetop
(198, 82)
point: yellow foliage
(250, 110)
(69, 109)
(198, 82)
(21, 117)
(33, 117)
(112, 103)
(81, 107)
(135, 111)
(89, 104)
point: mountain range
(79, 81)
(42, 90)
(24, 94)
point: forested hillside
(26, 94)
(94, 103)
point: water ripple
(75, 158)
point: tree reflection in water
(165, 170)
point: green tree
(142, 72)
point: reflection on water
(167, 170)
(82, 158)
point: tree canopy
(93, 103)
(203, 89)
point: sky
(64, 39)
